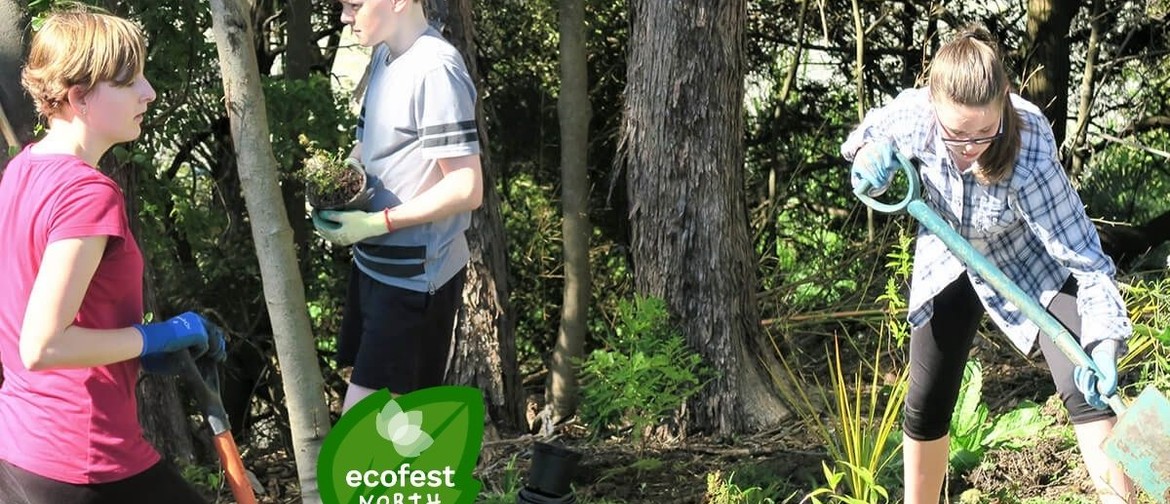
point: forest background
(669, 262)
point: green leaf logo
(419, 448)
(404, 429)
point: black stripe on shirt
(448, 128)
(443, 141)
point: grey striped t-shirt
(419, 107)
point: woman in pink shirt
(71, 333)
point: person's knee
(925, 424)
(1079, 411)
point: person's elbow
(475, 196)
(473, 185)
(36, 356)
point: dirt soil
(786, 464)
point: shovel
(202, 379)
(1140, 442)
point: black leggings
(160, 483)
(938, 353)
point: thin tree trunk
(1047, 65)
(161, 409)
(485, 344)
(575, 111)
(299, 57)
(1088, 85)
(16, 111)
(283, 288)
(684, 153)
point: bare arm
(461, 190)
(48, 338)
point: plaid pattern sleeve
(1032, 226)
(1055, 215)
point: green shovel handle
(915, 206)
(913, 193)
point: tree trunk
(574, 111)
(1046, 65)
(485, 340)
(684, 153)
(1077, 155)
(161, 409)
(283, 288)
(17, 115)
(298, 63)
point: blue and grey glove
(188, 332)
(1097, 387)
(874, 166)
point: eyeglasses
(963, 142)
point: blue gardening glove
(349, 226)
(1099, 387)
(171, 363)
(183, 332)
(874, 164)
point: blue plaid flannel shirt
(1032, 226)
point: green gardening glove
(349, 226)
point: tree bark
(161, 408)
(485, 340)
(574, 110)
(684, 153)
(1077, 155)
(299, 57)
(1046, 66)
(283, 288)
(16, 110)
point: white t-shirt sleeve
(447, 120)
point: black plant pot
(550, 475)
(361, 200)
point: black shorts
(938, 353)
(160, 483)
(396, 338)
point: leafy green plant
(508, 489)
(973, 432)
(833, 479)
(644, 372)
(1148, 359)
(330, 180)
(860, 431)
(900, 265)
(724, 491)
(207, 479)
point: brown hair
(969, 71)
(80, 47)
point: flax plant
(860, 430)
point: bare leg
(353, 395)
(1113, 486)
(925, 466)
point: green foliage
(1128, 184)
(644, 372)
(509, 486)
(208, 480)
(860, 431)
(1148, 359)
(972, 432)
(873, 491)
(899, 266)
(724, 491)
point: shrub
(644, 372)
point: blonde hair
(80, 48)
(969, 71)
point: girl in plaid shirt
(989, 166)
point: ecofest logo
(418, 448)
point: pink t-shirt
(72, 425)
